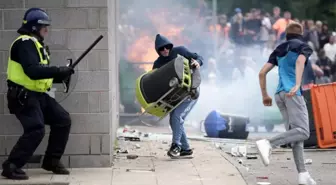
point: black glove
(64, 72)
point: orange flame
(143, 49)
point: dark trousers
(34, 110)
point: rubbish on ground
(251, 157)
(240, 161)
(242, 150)
(262, 181)
(129, 134)
(308, 161)
(132, 156)
(140, 170)
(164, 142)
(122, 151)
(239, 151)
(132, 139)
(146, 135)
(137, 146)
(288, 158)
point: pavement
(209, 166)
(212, 164)
(282, 170)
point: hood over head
(161, 41)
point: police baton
(66, 83)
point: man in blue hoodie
(167, 52)
(291, 57)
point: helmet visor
(43, 22)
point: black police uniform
(35, 109)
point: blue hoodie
(161, 41)
(285, 56)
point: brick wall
(75, 25)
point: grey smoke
(238, 96)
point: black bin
(236, 127)
(312, 141)
(156, 84)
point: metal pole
(215, 21)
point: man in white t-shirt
(330, 49)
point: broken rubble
(308, 161)
(137, 146)
(122, 151)
(132, 156)
(239, 151)
(251, 157)
(263, 181)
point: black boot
(10, 171)
(55, 166)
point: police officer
(29, 77)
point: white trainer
(306, 179)
(264, 148)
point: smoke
(230, 76)
(178, 20)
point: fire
(143, 49)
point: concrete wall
(75, 25)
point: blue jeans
(176, 121)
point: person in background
(291, 58)
(266, 28)
(276, 14)
(325, 64)
(311, 35)
(330, 49)
(318, 25)
(274, 18)
(167, 52)
(222, 21)
(237, 11)
(324, 35)
(237, 29)
(280, 25)
(252, 27)
(310, 74)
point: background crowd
(260, 29)
(234, 45)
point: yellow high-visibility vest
(16, 74)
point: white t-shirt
(330, 51)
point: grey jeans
(295, 115)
